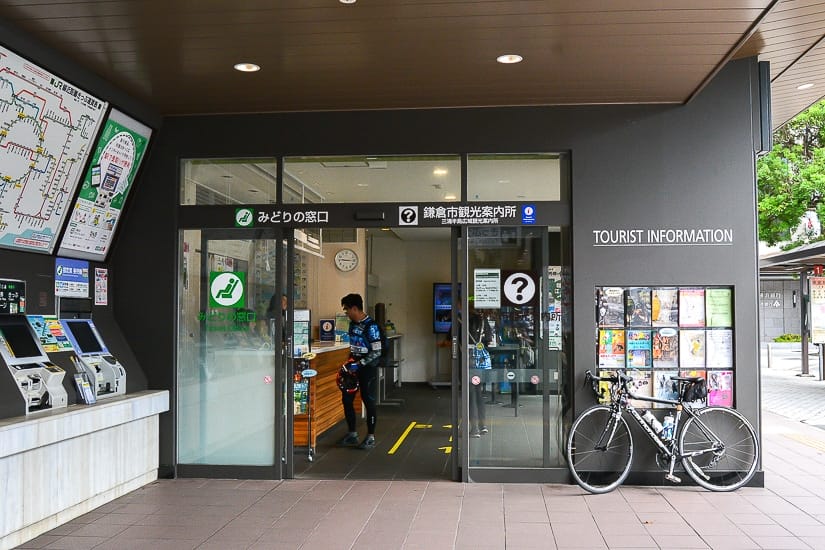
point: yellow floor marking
(447, 450)
(423, 425)
(817, 444)
(402, 438)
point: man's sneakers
(368, 443)
(484, 430)
(349, 440)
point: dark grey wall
(38, 269)
(632, 166)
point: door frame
(279, 467)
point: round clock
(346, 259)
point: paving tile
(780, 543)
(41, 541)
(75, 543)
(729, 542)
(629, 541)
(680, 541)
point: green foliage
(791, 178)
(788, 338)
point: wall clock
(346, 259)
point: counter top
(22, 433)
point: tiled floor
(224, 514)
(327, 515)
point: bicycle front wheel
(719, 449)
(599, 450)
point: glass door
(512, 372)
(230, 381)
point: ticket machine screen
(85, 338)
(20, 341)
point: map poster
(50, 332)
(47, 126)
(108, 180)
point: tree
(791, 178)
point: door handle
(455, 347)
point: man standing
(365, 355)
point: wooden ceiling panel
(320, 54)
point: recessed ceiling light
(509, 58)
(449, 197)
(347, 1)
(254, 191)
(805, 86)
(247, 67)
(362, 184)
(440, 172)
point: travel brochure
(656, 333)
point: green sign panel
(227, 289)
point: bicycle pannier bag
(694, 391)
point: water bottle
(667, 427)
(653, 421)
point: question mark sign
(520, 283)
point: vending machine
(35, 384)
(105, 373)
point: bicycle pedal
(672, 478)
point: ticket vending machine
(36, 381)
(106, 375)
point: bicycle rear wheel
(599, 450)
(719, 449)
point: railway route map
(47, 127)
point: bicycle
(716, 446)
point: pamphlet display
(300, 332)
(655, 333)
(106, 185)
(47, 127)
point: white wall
(406, 271)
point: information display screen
(20, 340)
(47, 128)
(108, 180)
(84, 336)
(12, 297)
(442, 307)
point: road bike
(716, 446)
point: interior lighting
(805, 86)
(509, 58)
(440, 172)
(347, 1)
(449, 197)
(247, 67)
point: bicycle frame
(667, 447)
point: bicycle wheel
(719, 449)
(599, 450)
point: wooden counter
(324, 395)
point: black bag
(695, 391)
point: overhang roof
(177, 55)
(793, 261)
